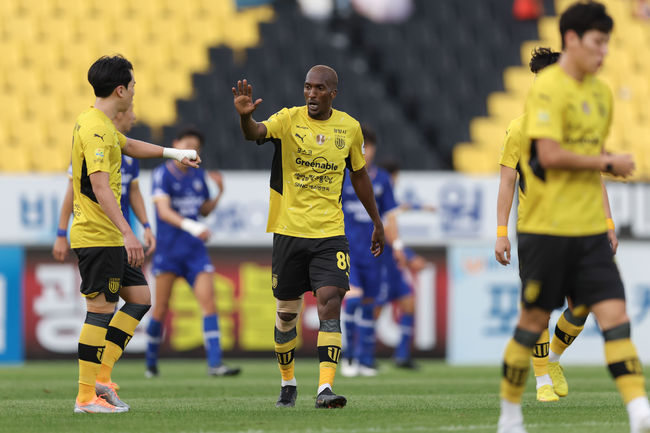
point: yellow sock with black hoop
(90, 351)
(119, 333)
(285, 347)
(516, 363)
(329, 351)
(567, 329)
(623, 362)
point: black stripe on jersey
(276, 167)
(534, 163)
(522, 182)
(85, 187)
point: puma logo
(302, 139)
(100, 136)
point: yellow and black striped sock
(623, 363)
(91, 349)
(540, 354)
(118, 335)
(567, 329)
(285, 346)
(516, 363)
(329, 350)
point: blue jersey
(358, 225)
(187, 191)
(130, 170)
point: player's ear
(333, 93)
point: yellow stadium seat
(487, 131)
(504, 106)
(475, 159)
(549, 30)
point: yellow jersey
(308, 170)
(511, 153)
(578, 116)
(96, 146)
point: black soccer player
(314, 144)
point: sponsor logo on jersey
(319, 164)
(100, 136)
(302, 139)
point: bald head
(325, 73)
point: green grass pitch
(39, 397)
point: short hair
(108, 73)
(191, 131)
(541, 58)
(584, 16)
(368, 134)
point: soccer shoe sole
(331, 402)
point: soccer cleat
(287, 397)
(223, 370)
(368, 370)
(97, 405)
(108, 393)
(328, 400)
(349, 368)
(406, 364)
(546, 393)
(151, 372)
(560, 386)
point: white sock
(553, 357)
(510, 412)
(638, 409)
(543, 380)
(323, 387)
(291, 382)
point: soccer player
(110, 256)
(131, 194)
(549, 376)
(365, 271)
(181, 195)
(314, 144)
(563, 245)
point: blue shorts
(367, 276)
(186, 264)
(394, 285)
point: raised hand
(243, 98)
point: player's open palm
(243, 98)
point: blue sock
(403, 349)
(154, 338)
(349, 311)
(211, 338)
(366, 332)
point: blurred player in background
(110, 256)
(131, 195)
(564, 250)
(181, 195)
(549, 376)
(313, 146)
(365, 271)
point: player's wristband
(146, 225)
(610, 224)
(194, 228)
(398, 245)
(179, 154)
(502, 231)
(62, 233)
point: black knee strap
(284, 337)
(574, 320)
(137, 311)
(98, 319)
(330, 325)
(526, 338)
(617, 333)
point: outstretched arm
(209, 205)
(141, 150)
(60, 249)
(504, 204)
(243, 100)
(552, 155)
(363, 188)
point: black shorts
(301, 265)
(554, 267)
(105, 270)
